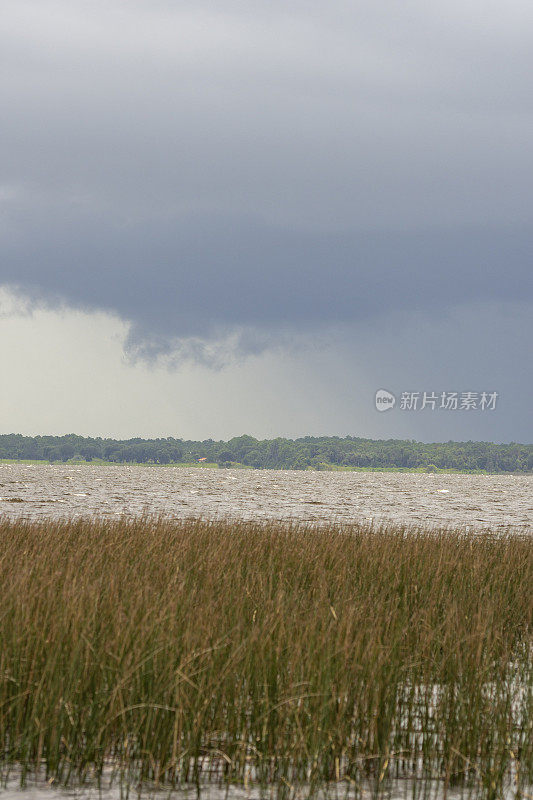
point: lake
(480, 501)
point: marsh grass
(179, 653)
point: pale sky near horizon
(247, 217)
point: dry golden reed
(293, 656)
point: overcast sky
(218, 218)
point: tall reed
(194, 652)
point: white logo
(384, 400)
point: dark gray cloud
(204, 276)
(265, 167)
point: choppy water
(480, 501)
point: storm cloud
(205, 168)
(195, 181)
(204, 278)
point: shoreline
(213, 465)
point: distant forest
(309, 452)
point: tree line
(308, 452)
